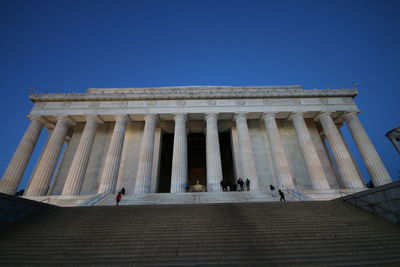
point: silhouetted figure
(232, 186)
(272, 188)
(247, 184)
(241, 183)
(123, 191)
(282, 199)
(187, 187)
(224, 185)
(118, 198)
(370, 184)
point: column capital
(296, 115)
(180, 116)
(123, 117)
(38, 118)
(240, 115)
(151, 117)
(94, 118)
(322, 114)
(268, 115)
(211, 115)
(347, 114)
(68, 119)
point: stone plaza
(154, 141)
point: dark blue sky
(68, 46)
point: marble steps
(237, 234)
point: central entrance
(196, 155)
(197, 159)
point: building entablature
(192, 92)
(77, 106)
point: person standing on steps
(282, 199)
(247, 184)
(241, 184)
(187, 187)
(224, 185)
(118, 198)
(123, 191)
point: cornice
(192, 92)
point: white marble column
(16, 168)
(281, 164)
(109, 175)
(80, 162)
(246, 151)
(213, 155)
(143, 177)
(344, 161)
(179, 173)
(373, 162)
(41, 177)
(313, 162)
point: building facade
(156, 140)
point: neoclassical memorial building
(156, 140)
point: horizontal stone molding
(197, 92)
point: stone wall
(383, 201)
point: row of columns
(42, 174)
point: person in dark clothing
(241, 183)
(282, 199)
(232, 186)
(272, 188)
(118, 198)
(123, 191)
(187, 187)
(224, 186)
(247, 184)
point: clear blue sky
(68, 46)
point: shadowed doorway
(197, 166)
(197, 159)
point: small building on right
(394, 137)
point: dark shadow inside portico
(197, 169)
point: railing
(46, 199)
(373, 206)
(93, 200)
(296, 194)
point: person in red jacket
(118, 198)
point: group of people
(118, 197)
(224, 185)
(233, 186)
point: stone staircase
(310, 233)
(190, 198)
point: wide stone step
(234, 234)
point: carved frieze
(197, 92)
(180, 103)
(65, 104)
(240, 102)
(123, 104)
(94, 104)
(212, 102)
(151, 103)
(40, 105)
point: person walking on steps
(282, 199)
(272, 188)
(118, 198)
